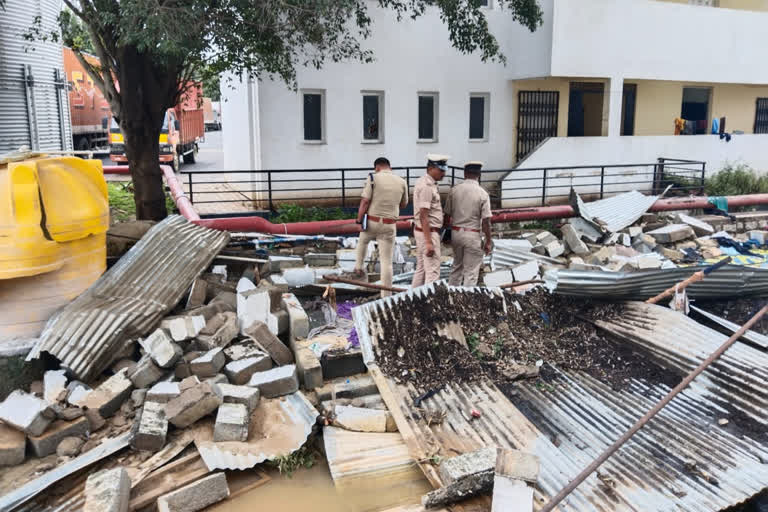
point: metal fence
(270, 188)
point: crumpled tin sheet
(279, 426)
(750, 335)
(131, 297)
(614, 213)
(728, 281)
(504, 258)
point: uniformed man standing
(383, 196)
(469, 208)
(428, 219)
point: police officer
(383, 196)
(428, 219)
(469, 208)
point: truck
(212, 113)
(183, 128)
(88, 108)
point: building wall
(746, 5)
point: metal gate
(536, 119)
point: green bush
(737, 179)
(122, 204)
(296, 213)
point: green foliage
(497, 346)
(212, 86)
(472, 341)
(288, 464)
(122, 204)
(736, 180)
(74, 32)
(296, 213)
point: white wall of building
(240, 123)
(585, 151)
(645, 39)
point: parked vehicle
(212, 113)
(88, 108)
(183, 128)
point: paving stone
(193, 404)
(309, 369)
(184, 327)
(70, 446)
(150, 428)
(279, 381)
(554, 249)
(161, 349)
(573, 239)
(269, 343)
(195, 496)
(26, 412)
(360, 419)
(224, 333)
(196, 297)
(462, 466)
(163, 392)
(208, 364)
(245, 395)
(699, 227)
(240, 371)
(243, 350)
(54, 386)
(46, 443)
(525, 271)
(497, 278)
(352, 387)
(145, 373)
(108, 491)
(298, 321)
(671, 233)
(232, 423)
(12, 445)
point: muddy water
(313, 489)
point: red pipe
(116, 169)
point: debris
(554, 249)
(54, 386)
(150, 428)
(699, 227)
(525, 271)
(672, 254)
(648, 261)
(208, 364)
(585, 229)
(163, 392)
(195, 496)
(358, 419)
(193, 403)
(46, 443)
(110, 395)
(77, 392)
(615, 213)
(70, 446)
(165, 479)
(453, 469)
(245, 395)
(498, 278)
(514, 479)
(298, 321)
(197, 292)
(473, 485)
(232, 423)
(671, 233)
(184, 327)
(279, 381)
(722, 422)
(12, 446)
(145, 373)
(226, 331)
(108, 491)
(348, 388)
(240, 371)
(26, 412)
(269, 343)
(161, 349)
(573, 239)
(309, 369)
(69, 413)
(243, 350)
(183, 367)
(254, 305)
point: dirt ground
(547, 329)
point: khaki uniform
(426, 195)
(468, 204)
(388, 192)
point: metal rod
(650, 414)
(696, 277)
(239, 258)
(337, 279)
(521, 283)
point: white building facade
(601, 81)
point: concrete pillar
(614, 96)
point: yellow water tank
(54, 215)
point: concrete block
(267, 341)
(150, 428)
(525, 271)
(145, 373)
(54, 386)
(602, 256)
(554, 249)
(498, 278)
(123, 363)
(219, 378)
(573, 239)
(701, 228)
(95, 420)
(183, 368)
(46, 443)
(193, 404)
(539, 249)
(161, 349)
(138, 396)
(195, 496)
(342, 363)
(634, 231)
(108, 491)
(245, 395)
(585, 229)
(545, 238)
(298, 321)
(530, 238)
(208, 364)
(240, 371)
(188, 383)
(279, 263)
(163, 392)
(185, 327)
(69, 413)
(226, 330)
(110, 395)
(672, 254)
(348, 388)
(279, 381)
(671, 233)
(467, 464)
(278, 280)
(309, 369)
(77, 391)
(196, 297)
(232, 423)
(243, 350)
(648, 261)
(359, 419)
(12, 446)
(760, 236)
(254, 305)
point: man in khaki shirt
(469, 208)
(382, 200)
(428, 219)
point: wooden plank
(166, 479)
(262, 479)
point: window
(695, 109)
(485, 3)
(373, 116)
(314, 116)
(478, 116)
(761, 116)
(428, 106)
(536, 119)
(628, 101)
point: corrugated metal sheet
(750, 335)
(571, 420)
(131, 297)
(729, 281)
(35, 114)
(614, 213)
(505, 258)
(287, 423)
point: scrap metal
(614, 213)
(750, 335)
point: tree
(151, 49)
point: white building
(600, 82)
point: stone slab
(193, 403)
(461, 466)
(671, 233)
(298, 321)
(24, 411)
(245, 395)
(110, 395)
(279, 381)
(573, 239)
(360, 419)
(232, 422)
(195, 496)
(150, 428)
(267, 341)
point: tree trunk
(143, 152)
